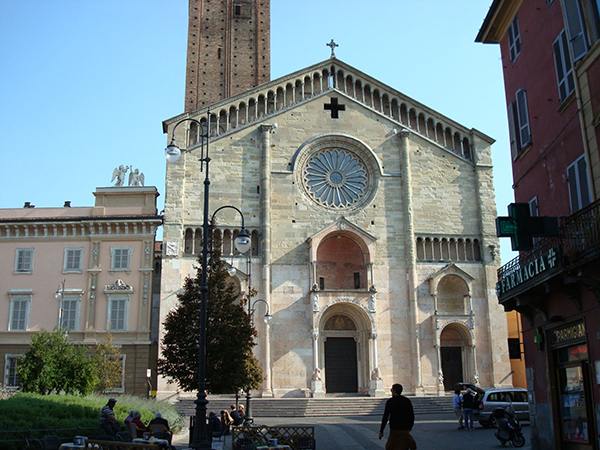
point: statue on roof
(136, 178)
(119, 175)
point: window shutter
(572, 181)
(523, 117)
(584, 190)
(514, 145)
(575, 28)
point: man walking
(399, 412)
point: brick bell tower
(229, 49)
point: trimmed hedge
(54, 412)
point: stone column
(438, 353)
(376, 383)
(411, 257)
(316, 384)
(265, 224)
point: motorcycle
(509, 427)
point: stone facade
(408, 293)
(229, 49)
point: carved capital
(267, 127)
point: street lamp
(60, 296)
(200, 438)
(251, 311)
(267, 319)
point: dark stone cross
(334, 108)
(332, 45)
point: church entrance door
(451, 367)
(341, 372)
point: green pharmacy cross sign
(521, 228)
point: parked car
(502, 398)
(487, 401)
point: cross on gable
(520, 227)
(334, 108)
(332, 45)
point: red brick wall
(555, 130)
(229, 49)
(338, 258)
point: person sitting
(129, 418)
(108, 422)
(214, 424)
(242, 412)
(160, 427)
(235, 415)
(225, 418)
(158, 420)
(140, 428)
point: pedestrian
(235, 415)
(468, 405)
(457, 404)
(108, 422)
(399, 412)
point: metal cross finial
(333, 45)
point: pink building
(551, 64)
(87, 269)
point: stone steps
(315, 407)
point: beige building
(87, 269)
(372, 221)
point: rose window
(335, 178)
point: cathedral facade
(373, 235)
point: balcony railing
(578, 241)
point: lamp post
(200, 438)
(267, 319)
(60, 296)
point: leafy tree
(107, 361)
(54, 365)
(230, 364)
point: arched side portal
(342, 348)
(456, 355)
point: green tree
(54, 365)
(109, 368)
(230, 365)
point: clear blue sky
(85, 85)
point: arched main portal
(344, 334)
(455, 354)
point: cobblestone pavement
(431, 431)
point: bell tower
(229, 49)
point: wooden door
(452, 367)
(341, 373)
